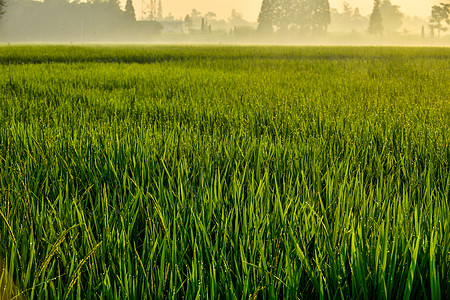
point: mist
(59, 21)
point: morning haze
(224, 21)
(250, 8)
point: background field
(225, 172)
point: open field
(225, 172)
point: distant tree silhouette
(160, 10)
(210, 15)
(349, 20)
(376, 20)
(236, 19)
(188, 22)
(203, 25)
(267, 16)
(195, 13)
(64, 21)
(297, 16)
(320, 16)
(392, 16)
(301, 16)
(2, 7)
(2, 11)
(129, 9)
(439, 15)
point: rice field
(213, 172)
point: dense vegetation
(301, 17)
(72, 21)
(225, 172)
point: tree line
(306, 17)
(103, 19)
(73, 21)
(440, 14)
(312, 17)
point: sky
(250, 8)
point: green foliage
(225, 172)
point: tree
(439, 15)
(188, 22)
(129, 10)
(160, 10)
(347, 10)
(210, 16)
(195, 20)
(2, 7)
(235, 15)
(296, 16)
(203, 25)
(301, 16)
(236, 19)
(349, 20)
(320, 16)
(376, 20)
(195, 14)
(392, 16)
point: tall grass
(225, 172)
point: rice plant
(132, 172)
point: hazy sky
(250, 8)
